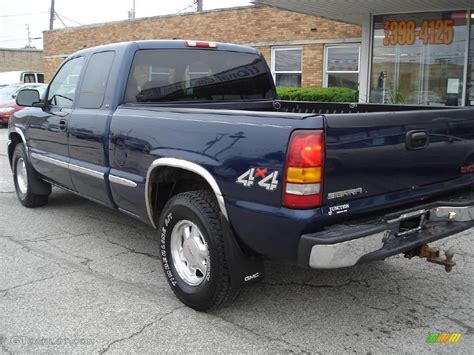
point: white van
(15, 77)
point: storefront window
(342, 66)
(286, 66)
(419, 58)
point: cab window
(162, 75)
(95, 80)
(29, 78)
(63, 87)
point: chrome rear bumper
(346, 245)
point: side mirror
(28, 98)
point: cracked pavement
(77, 277)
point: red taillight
(201, 44)
(304, 170)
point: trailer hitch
(432, 255)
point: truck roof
(162, 44)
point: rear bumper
(349, 244)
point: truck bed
(370, 149)
(304, 107)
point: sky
(15, 15)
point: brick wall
(21, 59)
(262, 27)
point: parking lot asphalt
(77, 277)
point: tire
(202, 245)
(26, 178)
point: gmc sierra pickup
(191, 138)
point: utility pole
(131, 13)
(51, 16)
(198, 5)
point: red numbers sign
(405, 32)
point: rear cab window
(29, 78)
(164, 75)
(95, 80)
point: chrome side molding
(86, 171)
(185, 165)
(49, 160)
(122, 181)
(65, 165)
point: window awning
(355, 11)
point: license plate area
(412, 222)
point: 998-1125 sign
(437, 31)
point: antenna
(29, 37)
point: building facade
(301, 49)
(21, 59)
(412, 52)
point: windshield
(162, 75)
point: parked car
(190, 138)
(15, 77)
(8, 105)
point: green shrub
(333, 94)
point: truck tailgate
(371, 154)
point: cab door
(48, 129)
(88, 130)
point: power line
(187, 7)
(70, 20)
(11, 40)
(60, 19)
(197, 5)
(30, 14)
(19, 39)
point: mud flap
(37, 185)
(243, 269)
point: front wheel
(26, 178)
(192, 251)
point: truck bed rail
(322, 108)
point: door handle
(417, 140)
(62, 124)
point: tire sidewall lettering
(164, 255)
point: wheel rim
(190, 252)
(21, 176)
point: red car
(7, 99)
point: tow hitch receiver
(432, 255)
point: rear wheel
(192, 251)
(25, 178)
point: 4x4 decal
(268, 182)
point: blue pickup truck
(191, 138)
